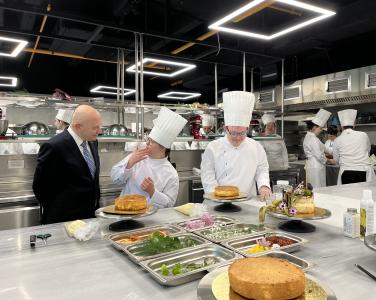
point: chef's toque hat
(238, 108)
(347, 117)
(64, 115)
(321, 117)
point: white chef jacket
(351, 152)
(316, 160)
(242, 166)
(180, 146)
(276, 153)
(164, 175)
(329, 145)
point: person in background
(66, 178)
(329, 144)
(276, 150)
(10, 148)
(235, 159)
(148, 171)
(351, 151)
(314, 150)
(208, 123)
(63, 119)
(131, 146)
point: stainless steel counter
(68, 269)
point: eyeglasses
(237, 134)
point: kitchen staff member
(276, 150)
(314, 150)
(63, 119)
(208, 123)
(329, 144)
(351, 151)
(235, 159)
(147, 171)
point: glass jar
(351, 223)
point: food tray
(133, 250)
(197, 255)
(217, 234)
(144, 232)
(218, 220)
(297, 261)
(240, 245)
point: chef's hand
(264, 192)
(148, 186)
(331, 161)
(137, 156)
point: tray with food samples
(188, 265)
(157, 245)
(265, 242)
(205, 221)
(221, 233)
(118, 240)
(262, 278)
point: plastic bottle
(351, 223)
(366, 214)
(279, 188)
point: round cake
(304, 205)
(131, 203)
(226, 191)
(266, 278)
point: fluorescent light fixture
(185, 67)
(12, 81)
(20, 45)
(324, 13)
(102, 89)
(179, 95)
(269, 75)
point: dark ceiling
(78, 33)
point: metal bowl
(116, 130)
(34, 128)
(3, 127)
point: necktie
(89, 158)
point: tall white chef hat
(267, 118)
(64, 115)
(347, 117)
(321, 117)
(238, 108)
(208, 120)
(167, 126)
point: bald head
(86, 122)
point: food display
(205, 220)
(179, 269)
(226, 191)
(270, 243)
(131, 203)
(266, 278)
(134, 238)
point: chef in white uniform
(147, 171)
(236, 159)
(351, 151)
(314, 150)
(276, 150)
(63, 119)
(329, 144)
(208, 122)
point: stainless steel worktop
(68, 269)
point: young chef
(147, 171)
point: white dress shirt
(164, 175)
(242, 166)
(78, 141)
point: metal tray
(218, 220)
(197, 255)
(297, 261)
(370, 241)
(114, 238)
(241, 244)
(234, 230)
(133, 250)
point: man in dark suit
(66, 179)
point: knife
(365, 271)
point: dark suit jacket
(62, 183)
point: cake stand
(296, 223)
(124, 222)
(227, 202)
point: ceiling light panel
(110, 90)
(8, 81)
(14, 45)
(322, 14)
(179, 95)
(180, 67)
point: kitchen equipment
(3, 127)
(227, 205)
(117, 130)
(218, 220)
(34, 128)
